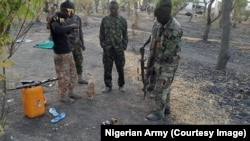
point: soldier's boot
(107, 90)
(122, 89)
(161, 112)
(66, 99)
(167, 110)
(157, 115)
(72, 95)
(80, 80)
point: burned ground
(200, 94)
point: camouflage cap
(163, 9)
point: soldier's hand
(74, 26)
(83, 48)
(142, 49)
(151, 70)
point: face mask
(70, 11)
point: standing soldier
(54, 7)
(63, 57)
(113, 40)
(167, 38)
(77, 44)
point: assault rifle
(30, 83)
(142, 60)
(149, 71)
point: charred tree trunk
(128, 9)
(209, 21)
(135, 24)
(205, 7)
(226, 29)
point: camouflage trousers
(77, 54)
(164, 77)
(66, 72)
(110, 57)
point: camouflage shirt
(168, 39)
(113, 32)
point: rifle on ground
(145, 78)
(30, 83)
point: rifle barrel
(28, 84)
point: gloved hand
(74, 26)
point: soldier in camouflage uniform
(63, 57)
(168, 33)
(113, 40)
(76, 40)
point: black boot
(72, 95)
(66, 99)
(80, 80)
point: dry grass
(190, 105)
(200, 94)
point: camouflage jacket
(113, 33)
(168, 40)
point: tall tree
(226, 29)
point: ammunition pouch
(166, 59)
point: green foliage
(176, 4)
(16, 12)
(196, 1)
(4, 39)
(15, 15)
(240, 3)
(239, 10)
(1, 130)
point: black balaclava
(68, 7)
(163, 9)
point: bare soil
(200, 94)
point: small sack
(91, 87)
